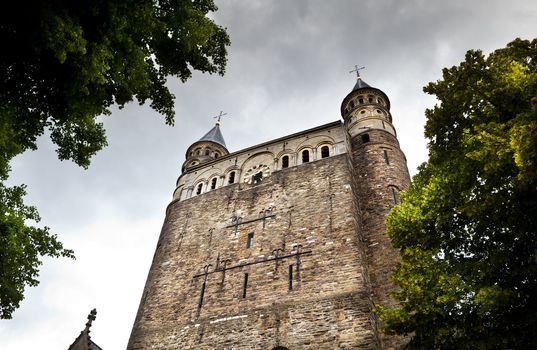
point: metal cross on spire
(218, 117)
(357, 70)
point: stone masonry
(283, 254)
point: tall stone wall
(308, 212)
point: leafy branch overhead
(467, 226)
(63, 64)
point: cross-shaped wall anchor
(357, 70)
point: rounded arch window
(361, 100)
(325, 152)
(285, 161)
(207, 152)
(305, 156)
(216, 155)
(231, 178)
(213, 183)
(199, 188)
(362, 112)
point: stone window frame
(288, 155)
(214, 183)
(250, 240)
(197, 189)
(232, 180)
(394, 193)
(320, 146)
(299, 156)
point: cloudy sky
(288, 71)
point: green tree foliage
(467, 227)
(63, 64)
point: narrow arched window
(285, 161)
(365, 138)
(305, 156)
(207, 152)
(395, 195)
(213, 183)
(325, 152)
(216, 155)
(198, 191)
(231, 178)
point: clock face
(256, 174)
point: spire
(360, 84)
(214, 135)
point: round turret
(366, 108)
(210, 147)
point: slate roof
(360, 84)
(214, 135)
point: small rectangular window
(250, 240)
(386, 158)
(290, 277)
(245, 285)
(365, 138)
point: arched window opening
(370, 99)
(199, 152)
(213, 183)
(200, 187)
(207, 152)
(231, 178)
(285, 161)
(365, 138)
(305, 156)
(216, 155)
(325, 152)
(361, 100)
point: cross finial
(357, 70)
(219, 116)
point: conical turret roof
(214, 135)
(360, 84)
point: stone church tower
(281, 245)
